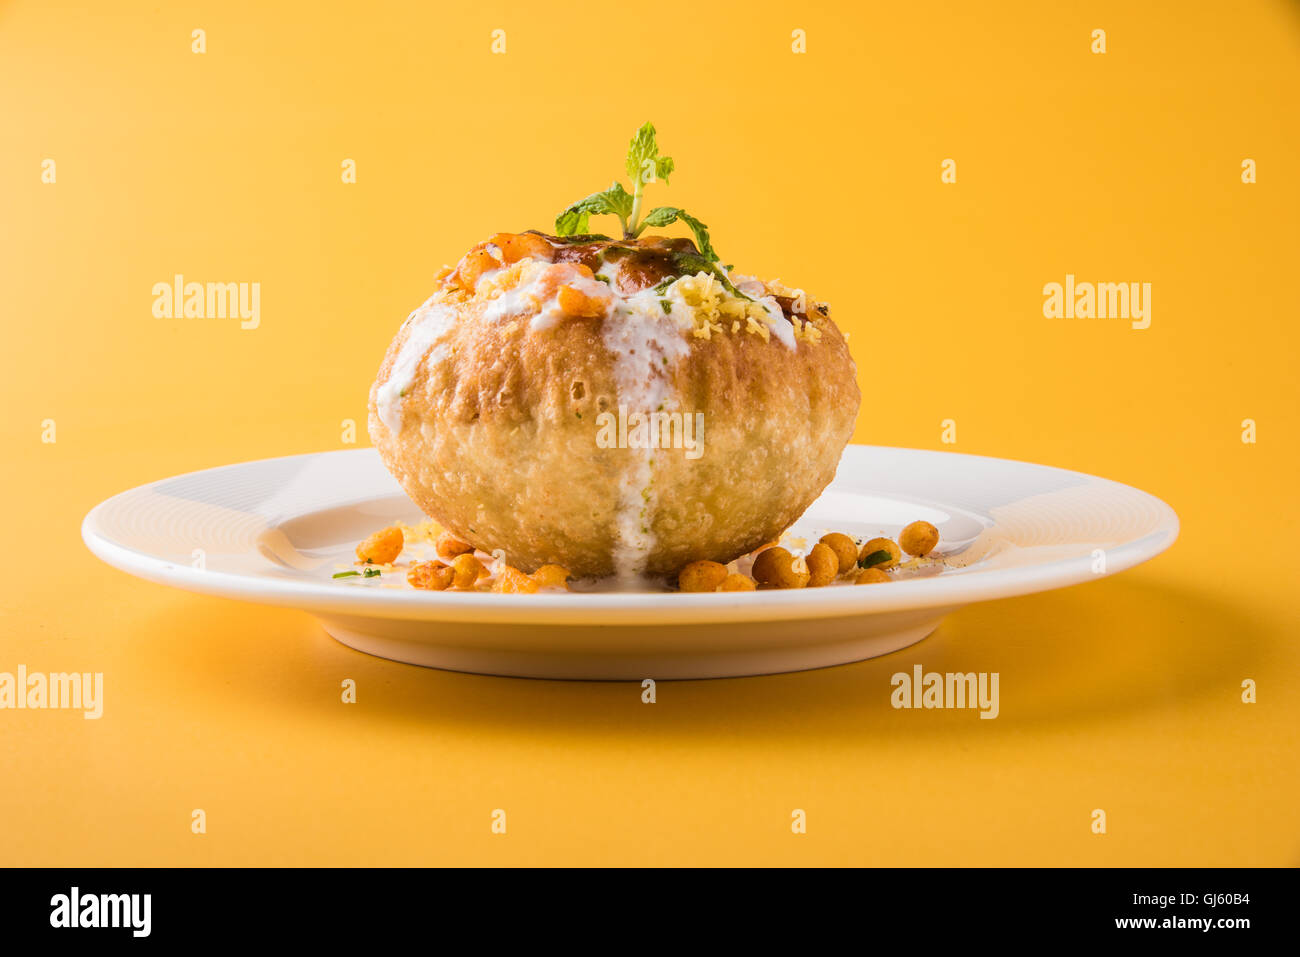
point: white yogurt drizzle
(647, 333)
(425, 329)
(646, 344)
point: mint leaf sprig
(644, 165)
(615, 200)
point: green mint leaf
(644, 165)
(661, 216)
(578, 239)
(701, 232)
(875, 558)
(570, 222)
(643, 147)
(615, 200)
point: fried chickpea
(468, 570)
(919, 538)
(767, 561)
(511, 581)
(552, 576)
(433, 576)
(449, 546)
(823, 565)
(845, 549)
(871, 576)
(776, 568)
(881, 545)
(798, 575)
(382, 547)
(735, 582)
(701, 576)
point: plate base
(633, 653)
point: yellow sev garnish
(713, 308)
(716, 310)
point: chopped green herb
(577, 239)
(615, 201)
(644, 165)
(667, 307)
(347, 574)
(372, 573)
(875, 558)
(603, 278)
(664, 215)
(643, 159)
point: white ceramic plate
(275, 531)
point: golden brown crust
(499, 440)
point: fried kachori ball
(610, 407)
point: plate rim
(635, 608)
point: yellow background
(820, 168)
